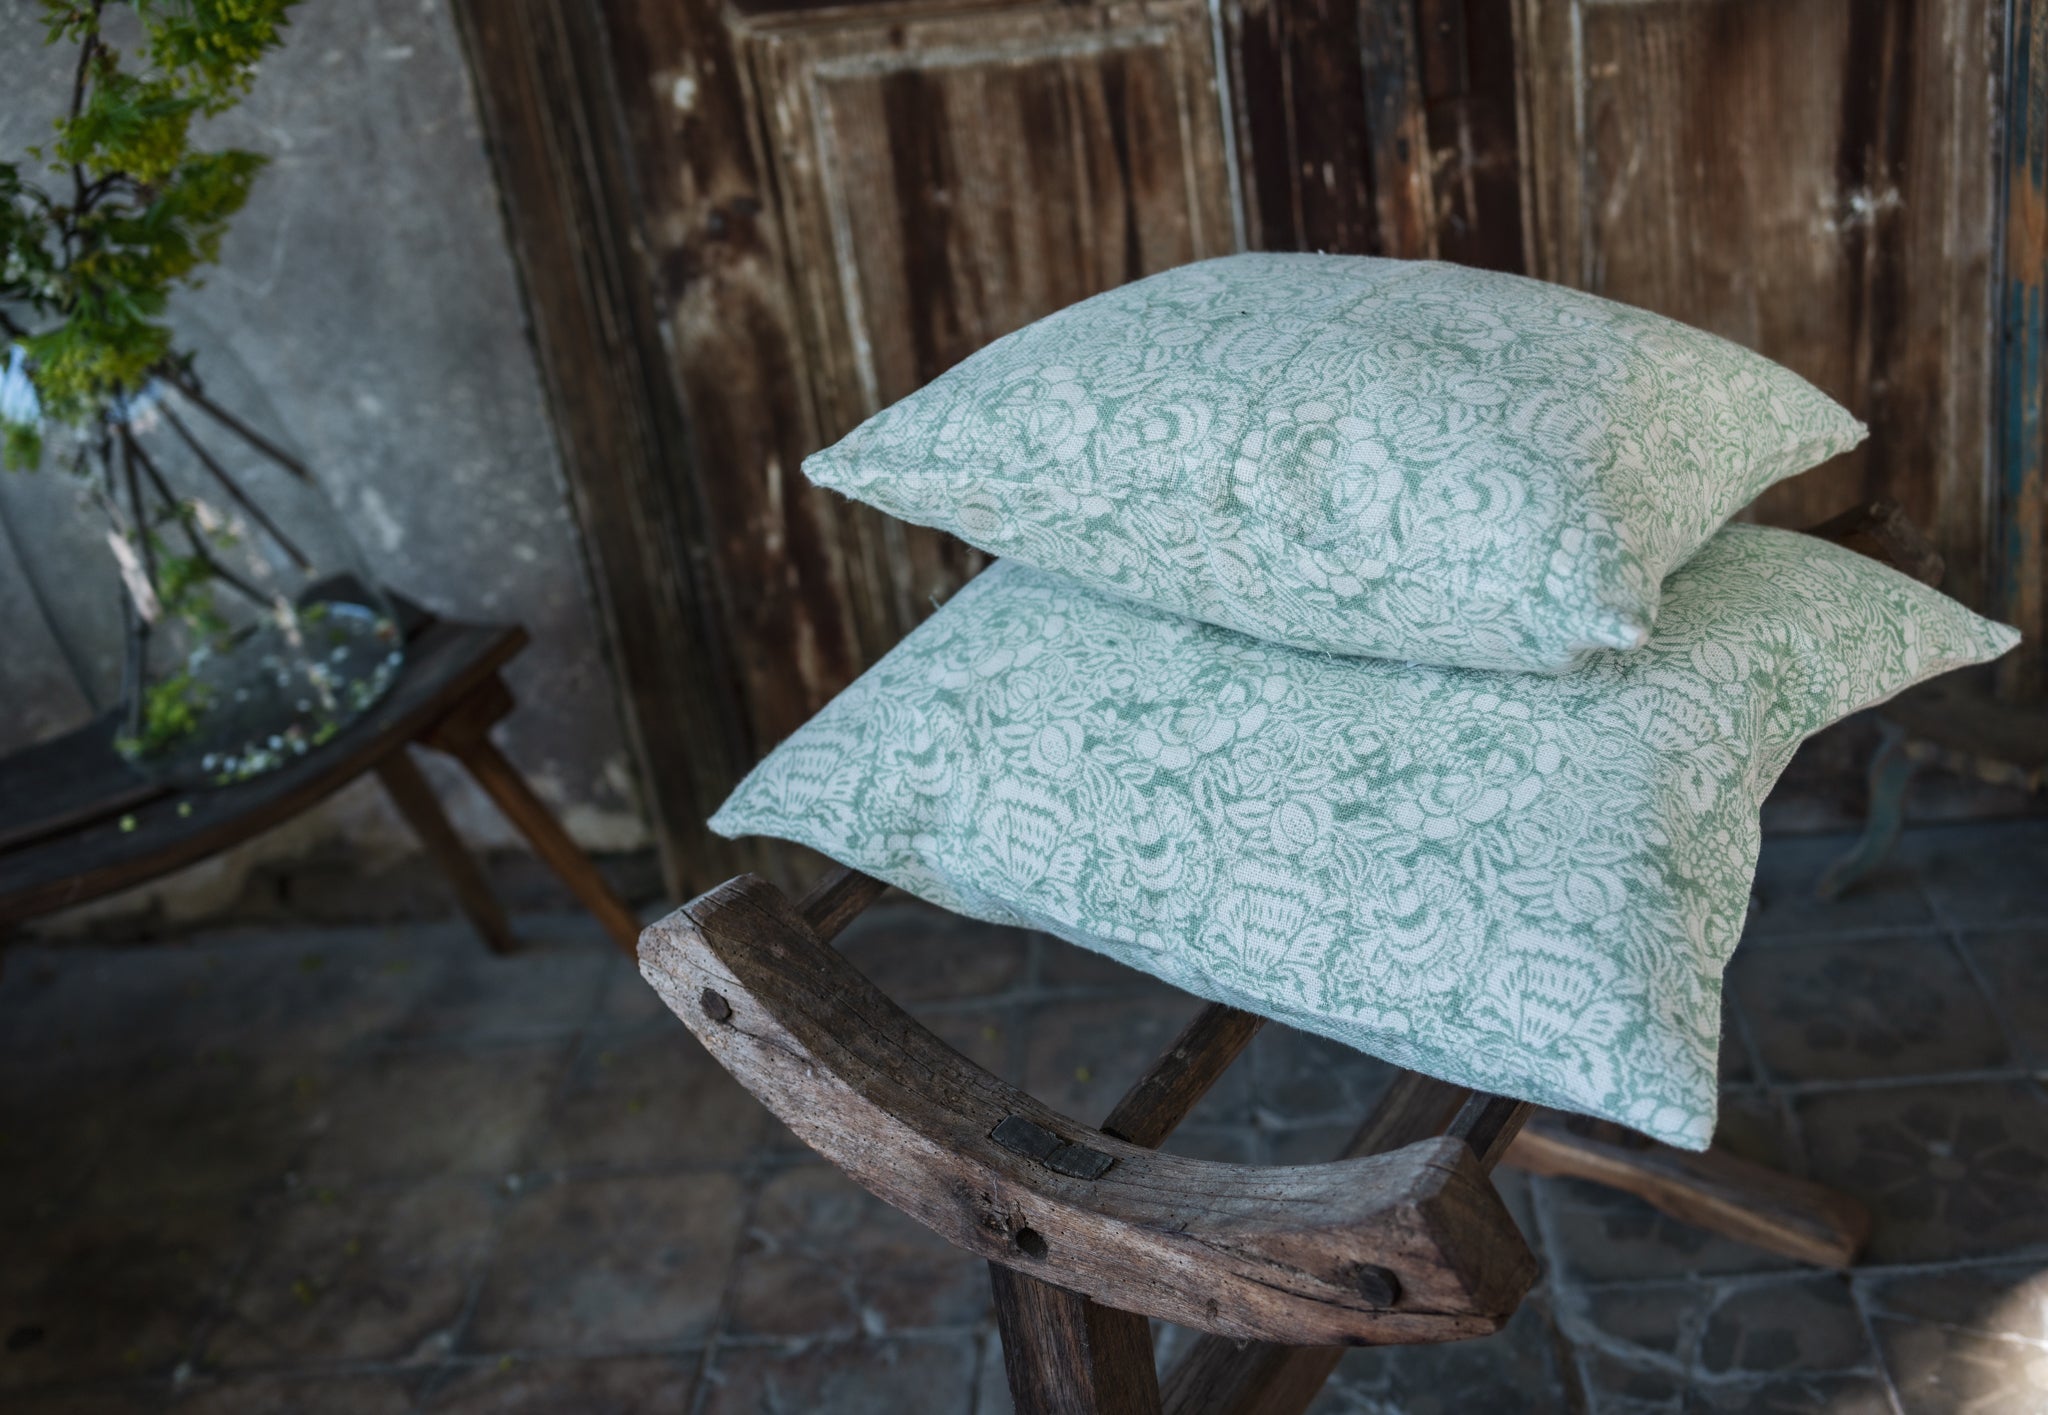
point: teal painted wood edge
(2022, 353)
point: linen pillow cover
(1522, 883)
(1403, 459)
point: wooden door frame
(543, 91)
(2019, 482)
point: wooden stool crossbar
(1090, 1233)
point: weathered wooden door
(746, 227)
(1812, 178)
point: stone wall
(369, 287)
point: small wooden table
(77, 822)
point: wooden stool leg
(416, 801)
(1716, 1190)
(1067, 1355)
(1061, 1351)
(1221, 1377)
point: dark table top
(77, 822)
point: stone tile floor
(377, 1170)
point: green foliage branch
(88, 261)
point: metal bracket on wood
(1029, 1138)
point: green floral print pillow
(1528, 884)
(1400, 459)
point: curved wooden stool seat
(1089, 1232)
(1411, 1245)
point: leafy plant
(87, 262)
(223, 675)
(171, 711)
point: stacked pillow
(1370, 654)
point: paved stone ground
(374, 1170)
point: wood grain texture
(837, 899)
(1397, 131)
(1466, 55)
(1064, 1354)
(1260, 1254)
(743, 228)
(780, 558)
(947, 177)
(2022, 366)
(1218, 1376)
(1489, 1125)
(1297, 82)
(1194, 1061)
(546, 93)
(1412, 1107)
(1808, 178)
(1378, 127)
(1715, 1190)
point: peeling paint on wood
(2023, 354)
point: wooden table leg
(416, 801)
(465, 735)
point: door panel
(946, 178)
(1806, 177)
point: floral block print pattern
(1402, 459)
(1522, 883)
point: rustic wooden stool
(1089, 1232)
(77, 823)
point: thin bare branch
(233, 488)
(179, 380)
(138, 628)
(86, 50)
(134, 487)
(135, 450)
